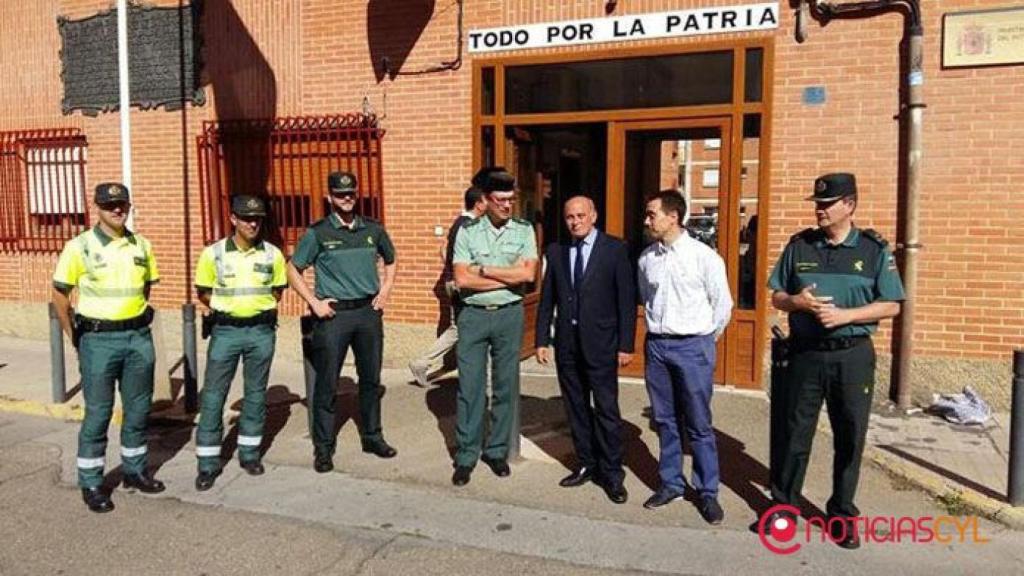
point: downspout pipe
(912, 111)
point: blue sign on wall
(814, 96)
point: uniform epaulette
(522, 221)
(471, 223)
(805, 234)
(874, 235)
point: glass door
(693, 157)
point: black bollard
(1016, 488)
(306, 324)
(188, 345)
(58, 385)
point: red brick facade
(313, 57)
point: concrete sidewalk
(962, 468)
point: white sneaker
(419, 372)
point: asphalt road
(293, 521)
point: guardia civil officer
(348, 302)
(240, 279)
(113, 270)
(836, 282)
(494, 257)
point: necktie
(577, 266)
(577, 279)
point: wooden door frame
(728, 244)
(737, 110)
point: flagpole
(125, 100)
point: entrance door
(693, 157)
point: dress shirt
(588, 247)
(684, 288)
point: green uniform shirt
(479, 242)
(242, 283)
(111, 273)
(345, 260)
(858, 271)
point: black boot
(143, 482)
(97, 500)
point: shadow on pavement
(441, 403)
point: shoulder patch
(522, 221)
(807, 234)
(874, 236)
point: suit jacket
(607, 301)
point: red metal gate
(286, 161)
(42, 189)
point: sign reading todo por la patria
(711, 20)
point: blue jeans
(678, 376)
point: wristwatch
(481, 271)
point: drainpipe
(912, 110)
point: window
(42, 189)
(650, 82)
(709, 179)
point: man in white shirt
(687, 305)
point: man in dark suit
(591, 283)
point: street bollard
(188, 346)
(1016, 488)
(306, 328)
(58, 385)
(514, 441)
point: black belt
(86, 324)
(829, 344)
(265, 317)
(490, 307)
(352, 304)
(653, 336)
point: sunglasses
(343, 195)
(111, 206)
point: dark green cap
(338, 182)
(834, 186)
(494, 179)
(248, 205)
(111, 192)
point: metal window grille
(42, 189)
(287, 160)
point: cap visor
(829, 199)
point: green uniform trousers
(363, 329)
(498, 333)
(123, 358)
(845, 381)
(254, 345)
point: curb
(941, 488)
(67, 412)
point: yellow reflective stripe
(97, 292)
(247, 291)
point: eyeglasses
(502, 201)
(343, 195)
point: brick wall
(317, 57)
